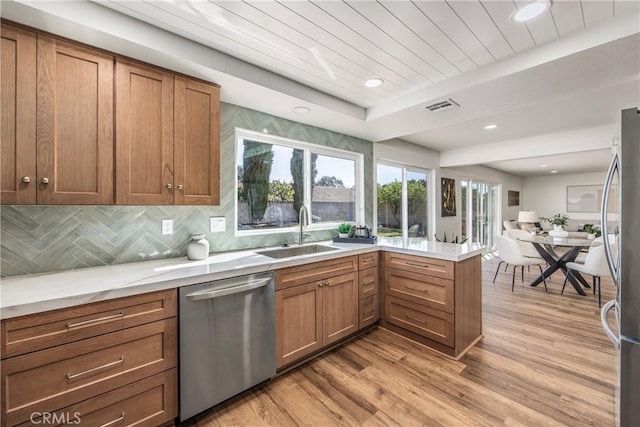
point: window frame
(404, 168)
(308, 148)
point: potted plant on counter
(343, 230)
(591, 231)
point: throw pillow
(526, 226)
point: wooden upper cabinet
(18, 112)
(196, 143)
(144, 135)
(60, 121)
(74, 124)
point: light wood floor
(544, 360)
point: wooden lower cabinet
(436, 325)
(149, 402)
(339, 308)
(298, 322)
(369, 310)
(89, 357)
(313, 315)
(368, 290)
(432, 301)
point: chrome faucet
(303, 220)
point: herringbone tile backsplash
(38, 239)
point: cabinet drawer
(35, 332)
(428, 290)
(433, 324)
(421, 265)
(50, 379)
(369, 310)
(367, 282)
(369, 260)
(149, 402)
(301, 274)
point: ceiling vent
(443, 105)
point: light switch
(217, 223)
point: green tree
(416, 194)
(330, 181)
(280, 191)
(391, 195)
(257, 160)
(296, 166)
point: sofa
(574, 227)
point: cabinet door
(197, 143)
(298, 322)
(74, 124)
(144, 135)
(18, 110)
(339, 307)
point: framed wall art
(588, 198)
(513, 198)
(448, 196)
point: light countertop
(30, 294)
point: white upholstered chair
(527, 248)
(582, 256)
(510, 253)
(595, 264)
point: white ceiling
(568, 71)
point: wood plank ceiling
(334, 46)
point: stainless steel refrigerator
(622, 218)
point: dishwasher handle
(209, 294)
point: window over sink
(276, 176)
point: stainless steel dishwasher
(227, 339)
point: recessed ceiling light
(554, 171)
(301, 110)
(374, 82)
(531, 10)
(543, 166)
(490, 127)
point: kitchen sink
(296, 251)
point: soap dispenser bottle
(198, 247)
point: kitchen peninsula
(429, 292)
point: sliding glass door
(478, 212)
(402, 201)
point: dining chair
(595, 264)
(582, 256)
(510, 253)
(527, 248)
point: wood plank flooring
(544, 360)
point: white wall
(413, 155)
(547, 195)
(403, 152)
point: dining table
(547, 247)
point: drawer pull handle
(426, 291)
(89, 371)
(100, 319)
(417, 264)
(424, 322)
(110, 423)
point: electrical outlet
(167, 227)
(217, 223)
